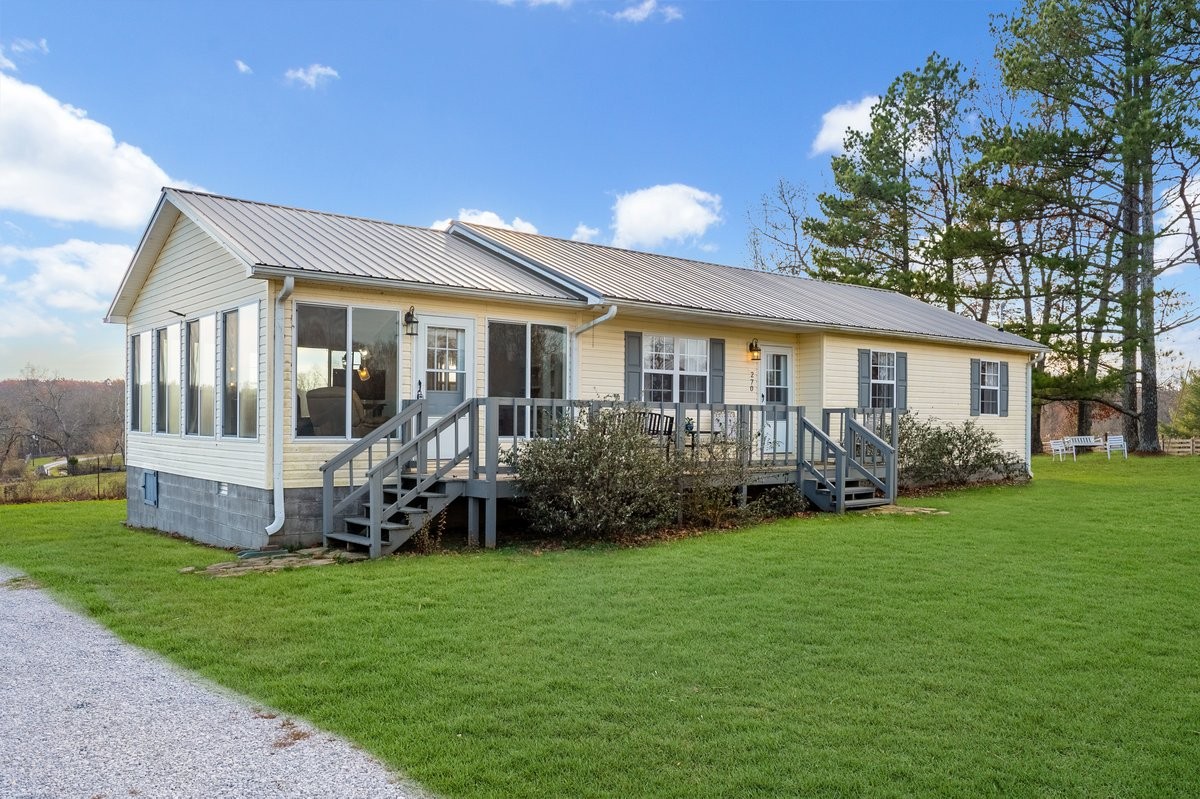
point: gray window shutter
(901, 381)
(974, 386)
(716, 370)
(1004, 388)
(633, 366)
(864, 378)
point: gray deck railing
(351, 464)
(849, 443)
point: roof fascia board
(351, 281)
(116, 313)
(588, 293)
(181, 201)
(747, 320)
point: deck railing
(849, 443)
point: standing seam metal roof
(330, 244)
(619, 274)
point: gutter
(599, 320)
(289, 284)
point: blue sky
(651, 124)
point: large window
(346, 369)
(883, 379)
(674, 369)
(139, 382)
(200, 399)
(239, 372)
(989, 387)
(526, 360)
(166, 355)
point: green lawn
(1038, 641)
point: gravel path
(83, 714)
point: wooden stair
(859, 494)
(403, 523)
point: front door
(776, 380)
(446, 348)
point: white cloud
(242, 66)
(584, 233)
(640, 12)
(312, 76)
(5, 62)
(838, 120)
(58, 164)
(649, 217)
(488, 218)
(74, 276)
(30, 46)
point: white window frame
(185, 378)
(677, 371)
(420, 358)
(985, 389)
(252, 311)
(141, 373)
(168, 424)
(882, 381)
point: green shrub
(777, 502)
(711, 476)
(932, 453)
(596, 476)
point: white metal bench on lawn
(1076, 443)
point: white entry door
(775, 377)
(446, 371)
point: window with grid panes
(883, 379)
(989, 387)
(674, 369)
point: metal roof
(275, 236)
(626, 275)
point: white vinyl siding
(194, 276)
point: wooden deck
(413, 467)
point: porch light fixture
(754, 350)
(410, 321)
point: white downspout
(1029, 415)
(599, 320)
(289, 284)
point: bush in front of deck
(932, 453)
(596, 476)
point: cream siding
(195, 276)
(939, 382)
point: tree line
(42, 415)
(1048, 205)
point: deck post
(491, 466)
(839, 472)
(376, 494)
(800, 455)
(326, 506)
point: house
(296, 375)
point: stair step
(350, 538)
(365, 521)
(873, 502)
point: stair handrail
(411, 415)
(853, 429)
(413, 450)
(836, 486)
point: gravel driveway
(83, 714)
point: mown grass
(1040, 640)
